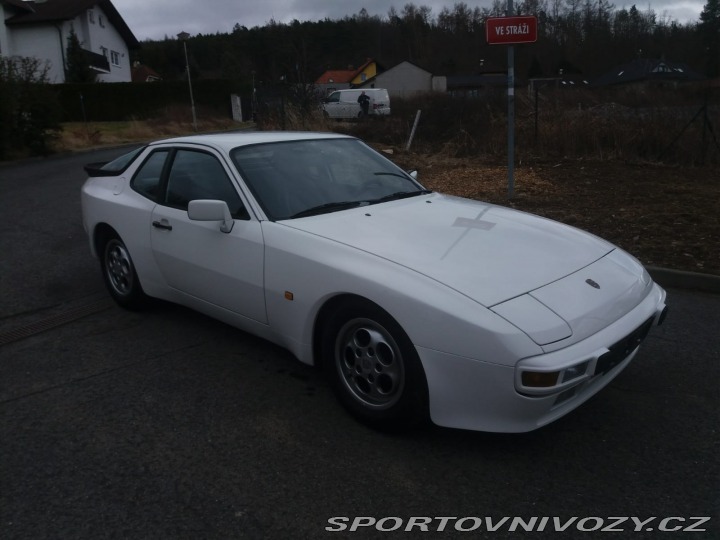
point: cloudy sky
(155, 19)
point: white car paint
(477, 249)
(483, 292)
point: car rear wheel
(374, 368)
(120, 275)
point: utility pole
(184, 37)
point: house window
(91, 16)
(104, 52)
(100, 21)
(115, 58)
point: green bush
(105, 102)
(29, 112)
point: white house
(407, 79)
(40, 29)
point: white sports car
(417, 304)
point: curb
(680, 279)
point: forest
(587, 37)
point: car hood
(486, 252)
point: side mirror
(211, 210)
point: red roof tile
(342, 75)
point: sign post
(511, 117)
(509, 31)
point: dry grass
(172, 122)
(575, 125)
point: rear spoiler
(95, 169)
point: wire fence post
(412, 132)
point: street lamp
(183, 36)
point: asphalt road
(166, 424)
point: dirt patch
(665, 216)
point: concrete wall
(439, 83)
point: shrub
(29, 113)
(636, 124)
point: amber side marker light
(537, 379)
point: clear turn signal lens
(574, 372)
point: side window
(147, 178)
(197, 175)
(334, 97)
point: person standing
(364, 101)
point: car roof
(228, 141)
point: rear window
(114, 167)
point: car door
(195, 257)
(350, 105)
(332, 105)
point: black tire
(120, 276)
(374, 368)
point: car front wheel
(374, 367)
(120, 275)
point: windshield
(302, 178)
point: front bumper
(471, 394)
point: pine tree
(77, 68)
(709, 29)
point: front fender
(304, 271)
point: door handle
(164, 225)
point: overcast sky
(155, 19)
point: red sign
(511, 30)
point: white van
(344, 103)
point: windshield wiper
(387, 173)
(326, 208)
(400, 195)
